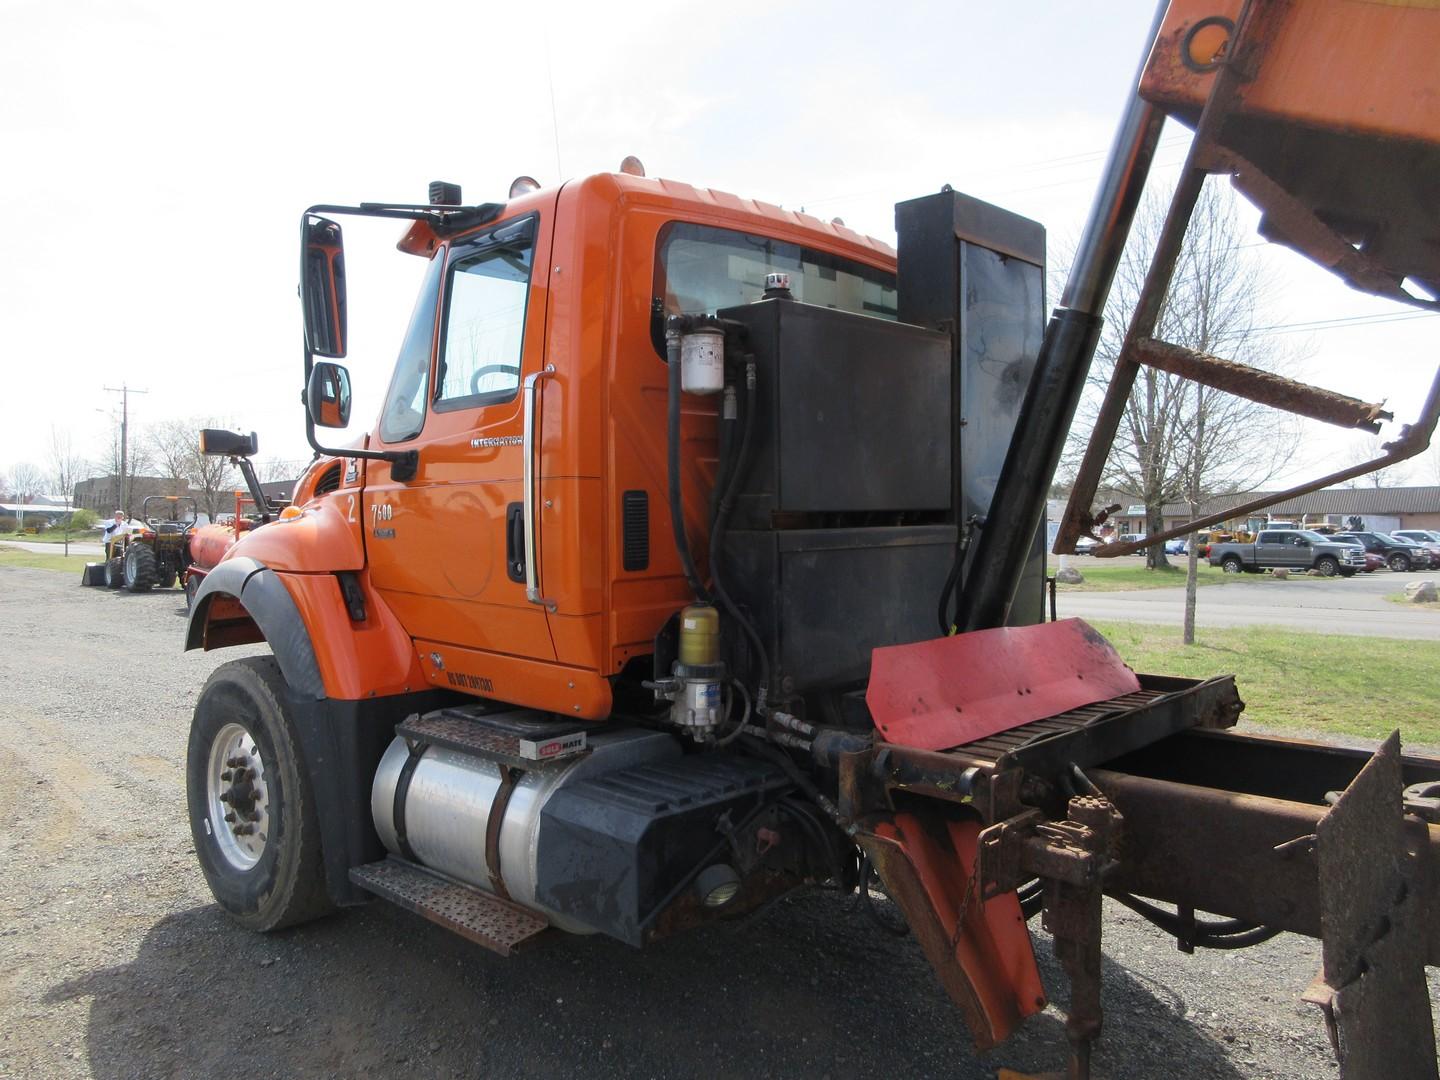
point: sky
(158, 156)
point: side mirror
(327, 395)
(322, 287)
(217, 442)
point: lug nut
(227, 775)
(230, 817)
(226, 796)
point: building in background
(1381, 509)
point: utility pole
(124, 391)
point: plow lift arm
(1100, 782)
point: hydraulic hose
(735, 475)
(677, 507)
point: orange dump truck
(696, 555)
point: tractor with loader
(696, 555)
(155, 555)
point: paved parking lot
(1354, 605)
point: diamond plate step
(484, 919)
(519, 737)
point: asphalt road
(1355, 605)
(114, 962)
(77, 547)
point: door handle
(531, 477)
(515, 541)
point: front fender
(243, 601)
(325, 538)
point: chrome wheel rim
(238, 796)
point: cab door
(444, 544)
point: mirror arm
(405, 461)
(257, 494)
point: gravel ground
(115, 963)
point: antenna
(125, 487)
(554, 123)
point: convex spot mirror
(322, 287)
(327, 395)
(217, 442)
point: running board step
(523, 738)
(485, 919)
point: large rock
(1421, 592)
(1281, 573)
(1068, 575)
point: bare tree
(212, 480)
(66, 468)
(136, 460)
(173, 445)
(1179, 442)
(1391, 476)
(26, 482)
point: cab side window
(487, 292)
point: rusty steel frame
(1301, 229)
(1242, 856)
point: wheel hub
(239, 797)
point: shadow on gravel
(812, 988)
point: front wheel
(114, 573)
(252, 811)
(1231, 564)
(1328, 565)
(1399, 563)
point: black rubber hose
(1217, 934)
(735, 477)
(677, 507)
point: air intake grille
(636, 517)
(329, 480)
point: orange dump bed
(1339, 104)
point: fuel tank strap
(509, 776)
(402, 789)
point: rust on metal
(1373, 916)
(1241, 856)
(482, 918)
(980, 950)
(1264, 387)
(1288, 219)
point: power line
(1028, 167)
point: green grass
(1401, 598)
(1319, 684)
(1102, 577)
(35, 560)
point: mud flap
(981, 950)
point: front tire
(1327, 565)
(114, 573)
(1399, 563)
(264, 865)
(1231, 564)
(139, 568)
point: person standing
(114, 529)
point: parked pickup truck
(1294, 549)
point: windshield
(1317, 538)
(699, 269)
(1403, 541)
